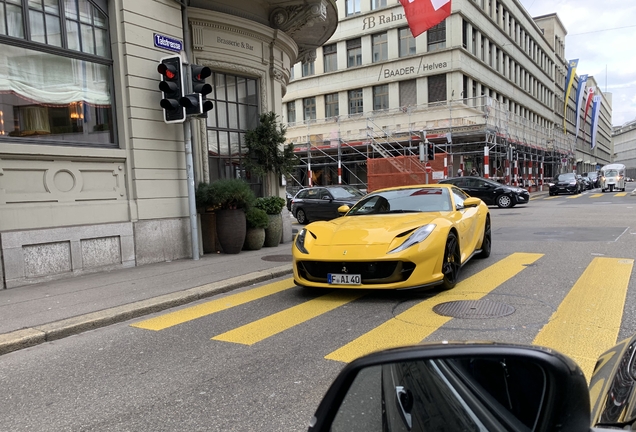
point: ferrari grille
(377, 272)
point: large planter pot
(208, 233)
(254, 239)
(274, 230)
(230, 230)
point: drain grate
(277, 258)
(473, 309)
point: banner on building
(588, 102)
(421, 15)
(569, 79)
(580, 92)
(596, 109)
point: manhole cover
(277, 258)
(473, 309)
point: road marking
(179, 317)
(552, 197)
(575, 196)
(418, 322)
(596, 195)
(588, 320)
(263, 328)
(621, 194)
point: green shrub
(256, 218)
(272, 205)
(225, 194)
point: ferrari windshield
(415, 199)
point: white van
(613, 177)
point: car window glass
(302, 194)
(459, 196)
(313, 194)
(324, 194)
(346, 192)
(404, 200)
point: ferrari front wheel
(452, 262)
(486, 243)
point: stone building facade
(91, 178)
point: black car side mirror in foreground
(478, 386)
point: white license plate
(343, 279)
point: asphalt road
(261, 358)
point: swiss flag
(424, 14)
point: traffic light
(195, 103)
(430, 150)
(172, 87)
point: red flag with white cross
(424, 14)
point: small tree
(267, 152)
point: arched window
(55, 73)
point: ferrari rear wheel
(486, 243)
(452, 262)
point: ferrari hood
(372, 229)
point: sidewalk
(34, 314)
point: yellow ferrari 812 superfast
(395, 238)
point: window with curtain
(352, 7)
(56, 72)
(377, 4)
(408, 93)
(436, 88)
(308, 68)
(355, 102)
(436, 37)
(236, 110)
(330, 57)
(291, 112)
(309, 109)
(406, 45)
(381, 97)
(331, 105)
(354, 52)
(380, 47)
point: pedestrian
(474, 172)
(460, 172)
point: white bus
(613, 177)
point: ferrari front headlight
(416, 237)
(300, 241)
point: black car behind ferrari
(322, 202)
(489, 191)
(566, 183)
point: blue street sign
(168, 43)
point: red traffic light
(167, 70)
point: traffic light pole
(192, 205)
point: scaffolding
(473, 132)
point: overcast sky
(602, 35)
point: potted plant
(267, 153)
(257, 221)
(272, 205)
(228, 198)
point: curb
(28, 337)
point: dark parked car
(489, 191)
(589, 184)
(566, 183)
(594, 177)
(322, 202)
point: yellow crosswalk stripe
(596, 195)
(588, 320)
(621, 194)
(552, 197)
(575, 196)
(261, 329)
(178, 317)
(418, 322)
